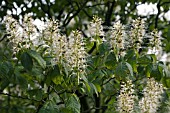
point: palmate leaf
(73, 104)
(38, 58)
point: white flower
(76, 54)
(137, 33)
(15, 33)
(155, 42)
(95, 28)
(152, 97)
(57, 43)
(117, 38)
(126, 98)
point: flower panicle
(152, 96)
(96, 28)
(117, 40)
(137, 33)
(126, 98)
(77, 51)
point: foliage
(45, 71)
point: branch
(108, 81)
(97, 102)
(109, 13)
(83, 101)
(159, 11)
(43, 8)
(76, 13)
(26, 98)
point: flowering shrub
(45, 71)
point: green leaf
(130, 68)
(50, 107)
(88, 87)
(98, 87)
(35, 94)
(6, 70)
(56, 77)
(93, 87)
(166, 71)
(168, 35)
(153, 57)
(123, 70)
(20, 79)
(38, 58)
(103, 48)
(145, 60)
(148, 70)
(168, 83)
(111, 61)
(3, 84)
(133, 63)
(156, 72)
(129, 54)
(26, 61)
(73, 103)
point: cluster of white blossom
(20, 35)
(149, 103)
(155, 42)
(152, 97)
(95, 28)
(123, 37)
(15, 35)
(137, 33)
(69, 50)
(126, 98)
(76, 55)
(117, 38)
(55, 42)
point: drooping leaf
(166, 71)
(50, 107)
(129, 54)
(20, 80)
(26, 61)
(148, 70)
(132, 61)
(38, 58)
(3, 84)
(124, 70)
(98, 87)
(55, 75)
(6, 70)
(93, 87)
(156, 72)
(73, 103)
(111, 61)
(145, 60)
(130, 68)
(103, 48)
